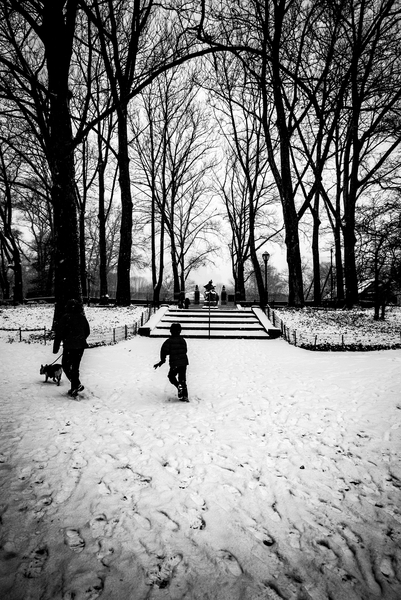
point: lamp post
(266, 257)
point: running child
(176, 347)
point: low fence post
(126, 332)
(20, 334)
(44, 334)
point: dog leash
(56, 360)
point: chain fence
(102, 338)
(351, 341)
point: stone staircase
(249, 323)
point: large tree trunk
(282, 172)
(295, 283)
(123, 295)
(338, 249)
(18, 293)
(349, 193)
(254, 258)
(259, 278)
(240, 280)
(176, 277)
(57, 36)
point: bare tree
(268, 39)
(138, 41)
(36, 45)
(247, 190)
(174, 153)
(10, 251)
(378, 249)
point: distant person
(73, 330)
(187, 303)
(181, 300)
(176, 347)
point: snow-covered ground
(281, 478)
(38, 316)
(354, 329)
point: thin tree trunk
(82, 255)
(123, 294)
(317, 295)
(102, 229)
(240, 281)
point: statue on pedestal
(211, 297)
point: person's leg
(75, 362)
(172, 376)
(66, 363)
(182, 380)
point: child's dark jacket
(176, 347)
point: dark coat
(176, 347)
(72, 330)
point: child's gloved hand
(159, 364)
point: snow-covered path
(280, 479)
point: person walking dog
(73, 331)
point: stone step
(248, 323)
(233, 321)
(215, 334)
(214, 326)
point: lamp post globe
(266, 257)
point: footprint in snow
(25, 473)
(88, 586)
(42, 503)
(162, 572)
(106, 552)
(229, 562)
(74, 540)
(70, 482)
(232, 489)
(167, 521)
(272, 513)
(142, 521)
(262, 535)
(386, 567)
(78, 462)
(98, 525)
(37, 561)
(196, 521)
(198, 500)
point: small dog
(52, 372)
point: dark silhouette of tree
(10, 250)
(378, 248)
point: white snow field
(281, 479)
